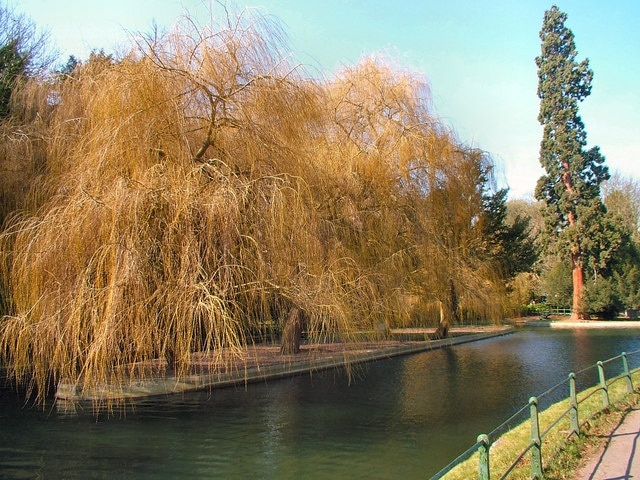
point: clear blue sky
(477, 55)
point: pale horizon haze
(476, 56)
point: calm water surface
(400, 418)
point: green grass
(561, 454)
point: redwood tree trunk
(577, 272)
(292, 332)
(578, 287)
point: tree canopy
(200, 191)
(23, 53)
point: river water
(405, 417)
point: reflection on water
(404, 417)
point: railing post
(483, 452)
(627, 373)
(603, 386)
(573, 405)
(536, 441)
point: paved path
(620, 457)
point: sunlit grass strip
(555, 427)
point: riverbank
(261, 363)
(566, 456)
(400, 418)
(557, 321)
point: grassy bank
(561, 454)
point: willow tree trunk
(448, 312)
(292, 332)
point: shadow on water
(403, 417)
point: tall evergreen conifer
(570, 189)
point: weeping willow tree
(423, 194)
(202, 187)
(457, 280)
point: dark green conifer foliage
(12, 65)
(571, 186)
(509, 244)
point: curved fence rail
(567, 411)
